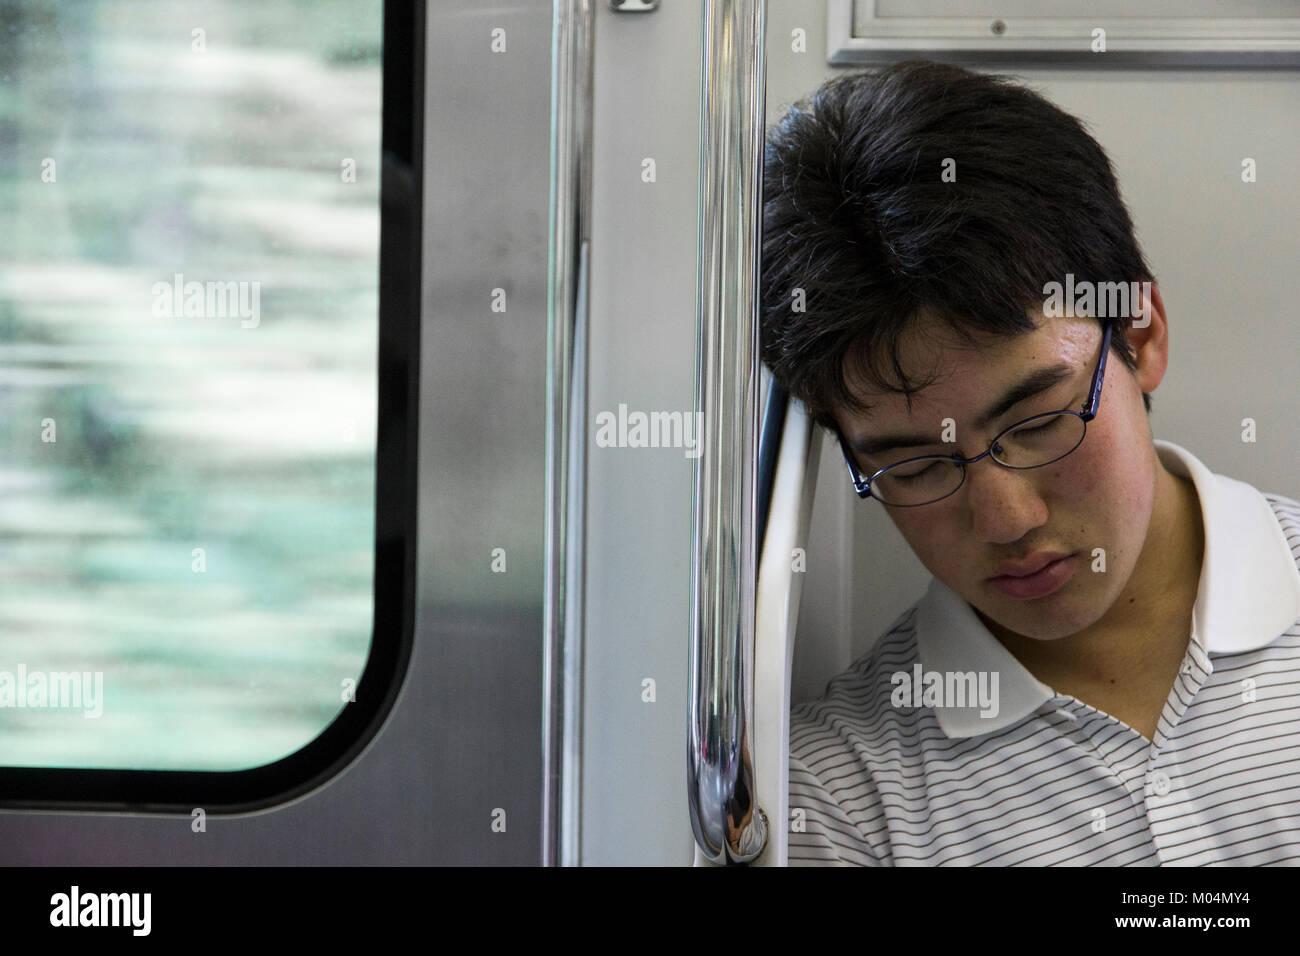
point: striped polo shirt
(1049, 780)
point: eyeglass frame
(863, 485)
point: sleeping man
(1105, 668)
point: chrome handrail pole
(566, 379)
(728, 825)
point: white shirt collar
(1248, 595)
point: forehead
(958, 376)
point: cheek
(937, 539)
(1115, 473)
(1106, 496)
(1088, 477)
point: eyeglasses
(1030, 443)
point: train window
(189, 378)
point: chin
(1052, 634)
(1059, 622)
(1036, 625)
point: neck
(1150, 622)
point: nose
(1005, 503)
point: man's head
(913, 218)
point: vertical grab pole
(728, 825)
(566, 382)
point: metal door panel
(464, 736)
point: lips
(1030, 587)
(1030, 565)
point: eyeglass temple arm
(1094, 394)
(859, 480)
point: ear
(1148, 334)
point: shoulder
(841, 747)
(859, 696)
(854, 732)
(1286, 509)
(1287, 512)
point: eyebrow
(1033, 384)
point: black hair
(857, 215)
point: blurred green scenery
(200, 529)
